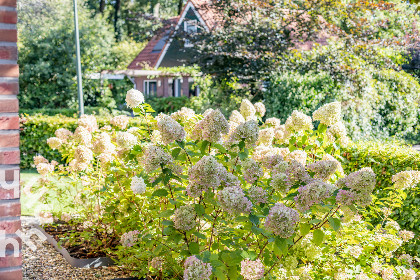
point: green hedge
(168, 104)
(70, 112)
(35, 130)
(387, 159)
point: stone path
(45, 263)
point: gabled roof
(152, 54)
(149, 56)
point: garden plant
(193, 196)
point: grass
(36, 197)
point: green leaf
(254, 219)
(199, 209)
(305, 229)
(334, 223)
(175, 152)
(281, 244)
(318, 236)
(160, 193)
(200, 235)
(204, 145)
(194, 248)
(220, 273)
(166, 213)
(168, 223)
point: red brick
(9, 140)
(11, 274)
(8, 194)
(9, 88)
(10, 261)
(8, 17)
(8, 35)
(9, 105)
(9, 122)
(9, 157)
(10, 227)
(8, 53)
(9, 70)
(11, 209)
(9, 3)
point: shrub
(387, 160)
(168, 105)
(214, 197)
(35, 130)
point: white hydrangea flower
(120, 121)
(247, 109)
(298, 122)
(54, 142)
(169, 129)
(260, 109)
(138, 186)
(273, 122)
(89, 122)
(328, 114)
(134, 98)
(236, 117)
(126, 140)
(266, 136)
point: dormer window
(191, 27)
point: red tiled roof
(209, 15)
(147, 58)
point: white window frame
(177, 87)
(146, 87)
(190, 23)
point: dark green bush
(168, 104)
(99, 111)
(35, 130)
(387, 160)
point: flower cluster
(44, 168)
(298, 122)
(126, 140)
(206, 173)
(252, 270)
(406, 179)
(103, 144)
(247, 110)
(328, 114)
(266, 136)
(183, 115)
(120, 121)
(356, 187)
(273, 122)
(170, 130)
(83, 136)
(184, 218)
(63, 134)
(195, 269)
(234, 201)
(406, 235)
(257, 195)
(211, 127)
(236, 117)
(323, 169)
(89, 122)
(338, 131)
(260, 109)
(83, 154)
(134, 98)
(154, 157)
(130, 238)
(282, 220)
(247, 131)
(137, 185)
(54, 142)
(313, 193)
(251, 170)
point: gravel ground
(45, 263)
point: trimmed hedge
(168, 105)
(35, 130)
(70, 112)
(387, 159)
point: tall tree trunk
(117, 7)
(102, 6)
(180, 4)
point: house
(163, 51)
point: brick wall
(10, 261)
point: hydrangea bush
(204, 197)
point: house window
(191, 27)
(150, 88)
(177, 87)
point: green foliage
(99, 111)
(47, 55)
(387, 159)
(377, 102)
(168, 105)
(36, 129)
